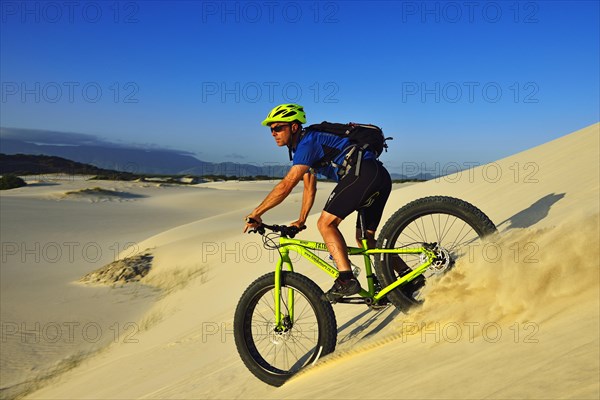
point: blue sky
(453, 82)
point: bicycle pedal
(378, 307)
(352, 300)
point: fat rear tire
(425, 220)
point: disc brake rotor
(441, 263)
(278, 335)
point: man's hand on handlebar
(252, 222)
(298, 224)
(291, 230)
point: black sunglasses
(279, 128)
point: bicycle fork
(283, 260)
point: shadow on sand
(42, 184)
(532, 214)
(374, 323)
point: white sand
(523, 325)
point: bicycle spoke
(422, 229)
(418, 237)
(458, 242)
(441, 239)
(298, 343)
(266, 319)
(299, 317)
(435, 226)
(443, 227)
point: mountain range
(139, 160)
(136, 160)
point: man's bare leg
(328, 227)
(346, 284)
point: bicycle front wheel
(454, 225)
(308, 329)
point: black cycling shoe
(342, 288)
(413, 286)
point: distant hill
(107, 157)
(27, 164)
(139, 160)
(112, 158)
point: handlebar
(286, 231)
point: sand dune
(519, 323)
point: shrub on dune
(11, 182)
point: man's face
(282, 133)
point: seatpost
(361, 222)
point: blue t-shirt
(315, 146)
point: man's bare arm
(281, 190)
(308, 198)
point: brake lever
(289, 231)
(259, 229)
(293, 230)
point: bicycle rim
(283, 351)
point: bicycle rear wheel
(455, 225)
(309, 331)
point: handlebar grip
(292, 231)
(285, 230)
(259, 229)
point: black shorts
(369, 191)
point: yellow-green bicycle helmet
(286, 113)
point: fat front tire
(273, 355)
(453, 224)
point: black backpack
(362, 137)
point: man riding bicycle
(368, 190)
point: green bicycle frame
(303, 248)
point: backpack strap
(359, 159)
(349, 161)
(290, 150)
(346, 164)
